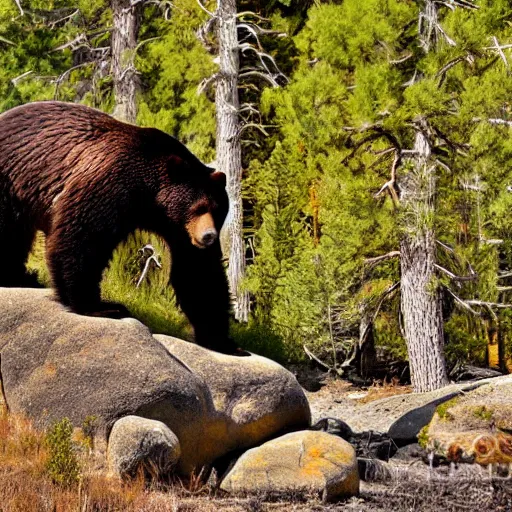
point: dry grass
(26, 485)
(384, 389)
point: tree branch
(500, 51)
(371, 262)
(457, 3)
(451, 275)
(442, 72)
(16, 79)
(493, 121)
(401, 59)
(79, 41)
(259, 74)
(260, 127)
(491, 305)
(254, 30)
(153, 257)
(64, 75)
(262, 56)
(463, 303)
(253, 14)
(207, 82)
(211, 14)
(312, 356)
(203, 31)
(391, 184)
(18, 5)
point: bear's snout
(209, 236)
(202, 230)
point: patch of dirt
(332, 397)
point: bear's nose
(209, 236)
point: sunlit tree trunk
(229, 153)
(420, 294)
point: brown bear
(87, 181)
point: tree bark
(229, 152)
(124, 42)
(420, 294)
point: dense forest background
(376, 145)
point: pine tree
(362, 93)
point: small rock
(410, 452)
(136, 443)
(373, 470)
(298, 462)
(335, 427)
(357, 396)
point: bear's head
(195, 201)
(207, 213)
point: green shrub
(62, 465)
(89, 427)
(261, 340)
(423, 437)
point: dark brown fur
(87, 181)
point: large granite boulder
(56, 364)
(403, 416)
(476, 426)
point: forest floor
(408, 496)
(411, 486)
(338, 398)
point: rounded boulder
(305, 461)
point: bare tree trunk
(420, 295)
(124, 42)
(229, 152)
(363, 356)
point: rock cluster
(159, 403)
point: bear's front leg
(201, 288)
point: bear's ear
(219, 177)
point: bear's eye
(199, 208)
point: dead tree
(126, 16)
(233, 119)
(229, 151)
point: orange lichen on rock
(301, 462)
